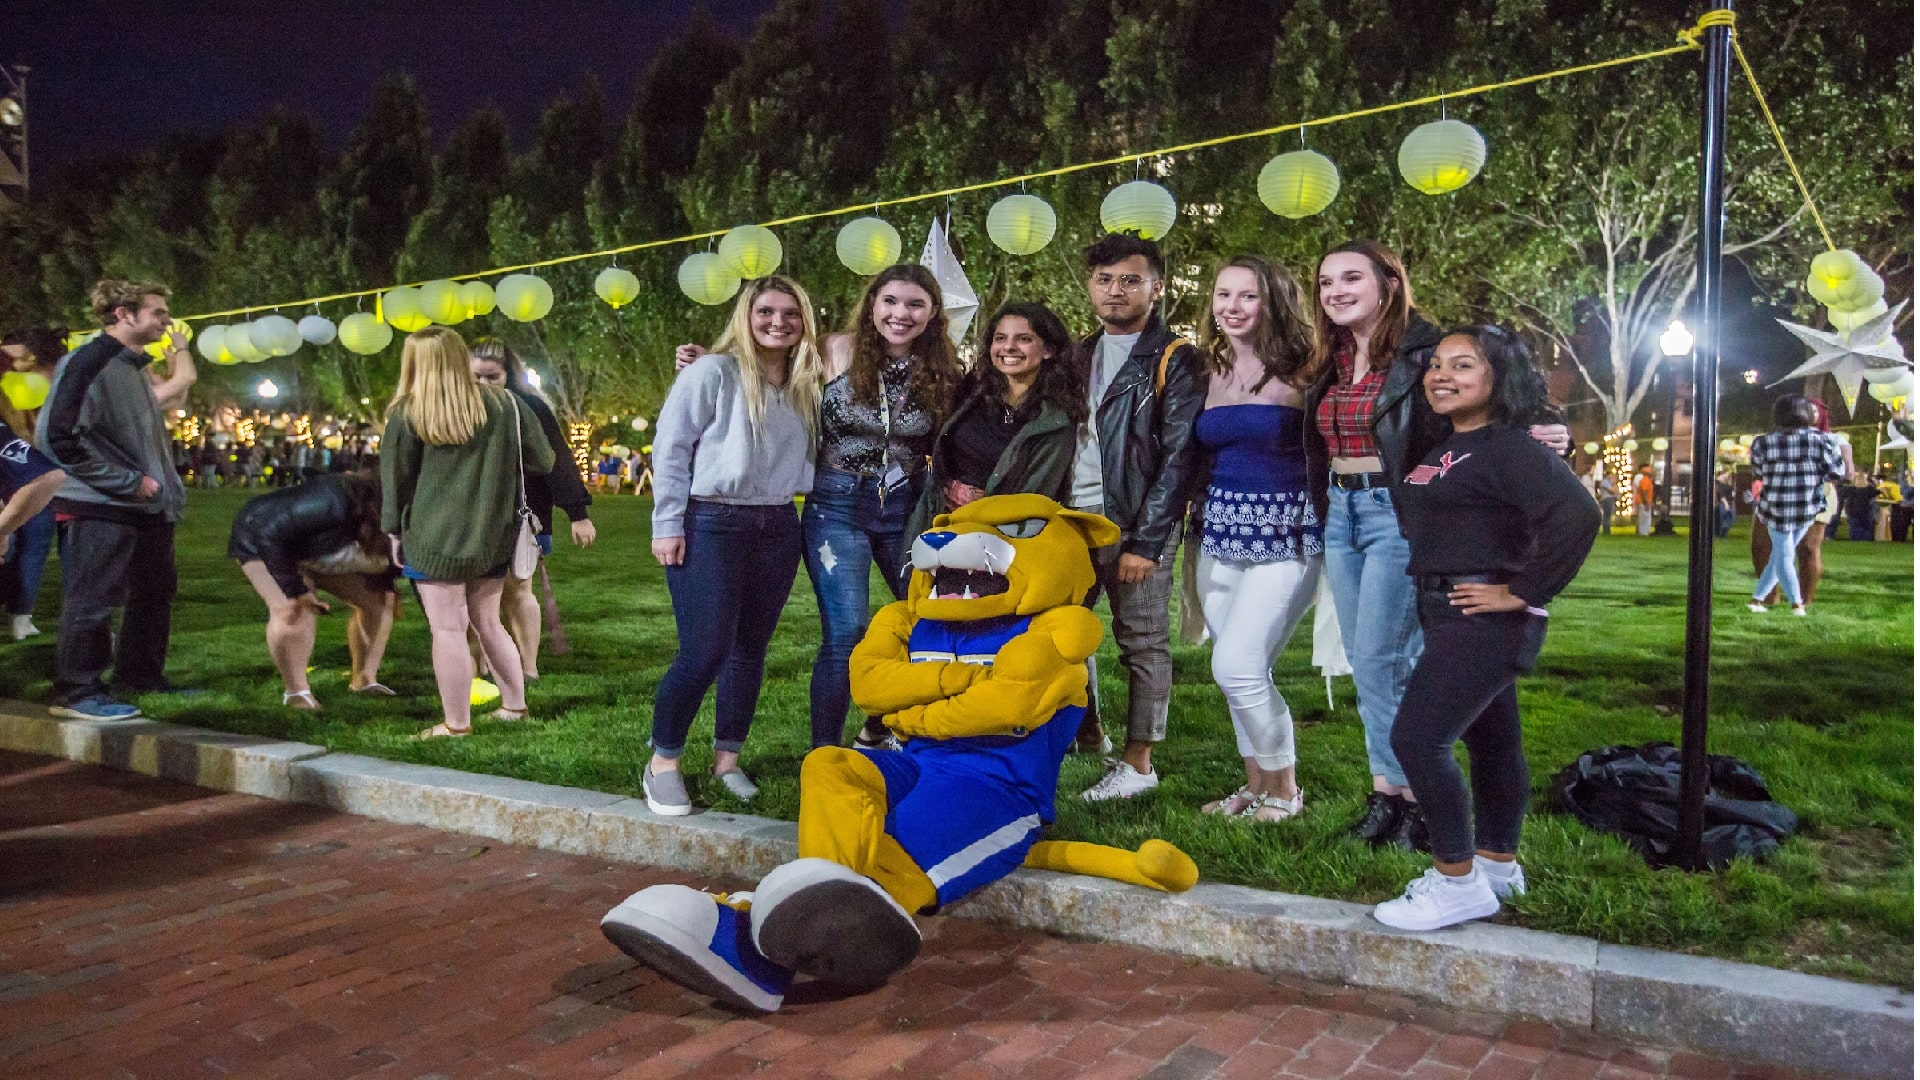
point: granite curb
(1732, 1011)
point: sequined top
(867, 440)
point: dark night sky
(116, 75)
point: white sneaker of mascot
(981, 671)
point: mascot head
(1005, 555)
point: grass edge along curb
(1731, 1010)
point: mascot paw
(822, 919)
(1166, 866)
(701, 941)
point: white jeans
(1251, 610)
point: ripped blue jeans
(849, 528)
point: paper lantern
(1442, 156)
(1660, 444)
(1298, 184)
(74, 341)
(401, 308)
(1859, 293)
(1021, 224)
(707, 279)
(477, 298)
(1848, 321)
(276, 335)
(1746, 440)
(362, 333)
(616, 286)
(317, 330)
(523, 297)
(1141, 207)
(213, 344)
(1592, 448)
(1889, 392)
(1833, 268)
(639, 423)
(1630, 445)
(440, 301)
(750, 251)
(1727, 446)
(867, 245)
(243, 346)
(25, 389)
(1878, 375)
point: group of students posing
(1418, 469)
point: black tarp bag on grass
(1633, 792)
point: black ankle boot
(1381, 817)
(1409, 832)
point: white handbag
(526, 548)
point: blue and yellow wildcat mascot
(982, 669)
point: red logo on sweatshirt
(1426, 474)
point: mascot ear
(1096, 530)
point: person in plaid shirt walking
(1794, 463)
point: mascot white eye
(1024, 529)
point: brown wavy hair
(1284, 341)
(934, 380)
(1396, 309)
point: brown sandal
(440, 731)
(509, 716)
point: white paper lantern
(276, 335)
(751, 251)
(1878, 375)
(243, 345)
(317, 330)
(213, 344)
(616, 286)
(1889, 392)
(1442, 156)
(1021, 224)
(1140, 207)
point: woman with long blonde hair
(450, 465)
(734, 445)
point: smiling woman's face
(1459, 382)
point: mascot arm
(883, 678)
(1032, 677)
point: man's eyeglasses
(1126, 282)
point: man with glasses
(1134, 464)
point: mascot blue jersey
(968, 809)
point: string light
(1618, 462)
(577, 435)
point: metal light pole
(1674, 344)
(1718, 45)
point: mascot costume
(982, 670)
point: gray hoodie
(705, 449)
(103, 426)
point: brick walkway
(149, 929)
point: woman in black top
(1497, 525)
(1012, 430)
(323, 534)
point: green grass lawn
(1822, 707)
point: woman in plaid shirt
(1794, 462)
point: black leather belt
(1359, 481)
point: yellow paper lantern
(1630, 445)
(74, 341)
(1592, 448)
(1298, 184)
(1442, 156)
(867, 245)
(750, 251)
(616, 286)
(401, 309)
(243, 346)
(1746, 440)
(523, 297)
(1728, 446)
(1849, 321)
(1859, 292)
(440, 301)
(362, 333)
(477, 298)
(1835, 268)
(178, 332)
(213, 344)
(1141, 207)
(707, 279)
(25, 389)
(1889, 392)
(1021, 224)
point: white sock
(1495, 867)
(1471, 877)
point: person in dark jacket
(1012, 430)
(320, 535)
(1134, 465)
(496, 364)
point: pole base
(1663, 527)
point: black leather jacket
(1148, 455)
(287, 526)
(1404, 426)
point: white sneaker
(1504, 878)
(1800, 610)
(1434, 900)
(23, 627)
(1122, 781)
(1756, 607)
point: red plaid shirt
(1346, 413)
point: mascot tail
(1156, 865)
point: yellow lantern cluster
(1021, 224)
(1442, 156)
(1853, 293)
(750, 251)
(440, 302)
(707, 279)
(364, 334)
(178, 333)
(616, 286)
(25, 389)
(523, 297)
(867, 245)
(1298, 184)
(477, 298)
(1141, 207)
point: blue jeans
(27, 562)
(1366, 566)
(727, 595)
(849, 526)
(1781, 568)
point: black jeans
(105, 565)
(1463, 690)
(727, 595)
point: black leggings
(1463, 689)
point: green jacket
(1038, 461)
(454, 507)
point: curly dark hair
(1114, 247)
(1520, 394)
(47, 344)
(1062, 382)
(936, 373)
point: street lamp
(1674, 344)
(267, 389)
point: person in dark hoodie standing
(103, 425)
(1134, 465)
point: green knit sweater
(454, 506)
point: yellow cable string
(1781, 139)
(1689, 42)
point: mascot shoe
(699, 940)
(822, 919)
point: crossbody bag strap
(519, 458)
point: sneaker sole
(668, 950)
(837, 930)
(1480, 911)
(1089, 795)
(65, 713)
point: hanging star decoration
(1848, 355)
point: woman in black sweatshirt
(1497, 525)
